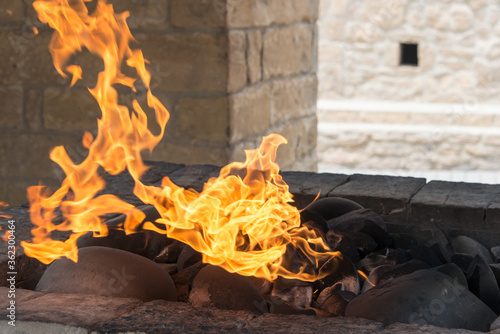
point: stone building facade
(422, 78)
(229, 71)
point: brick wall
(229, 71)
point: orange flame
(242, 220)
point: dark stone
(333, 207)
(336, 302)
(265, 287)
(194, 176)
(444, 254)
(294, 291)
(401, 270)
(340, 242)
(425, 254)
(453, 271)
(313, 219)
(495, 326)
(386, 195)
(170, 253)
(452, 204)
(306, 186)
(338, 269)
(397, 256)
(106, 271)
(371, 261)
(384, 273)
(483, 283)
(145, 243)
(495, 251)
(466, 245)
(188, 257)
(463, 261)
(364, 242)
(365, 221)
(216, 287)
(495, 268)
(423, 297)
(403, 241)
(183, 280)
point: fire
(243, 220)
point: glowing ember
(242, 220)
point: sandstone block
(462, 17)
(254, 55)
(202, 119)
(437, 16)
(189, 153)
(11, 12)
(254, 13)
(332, 29)
(385, 14)
(11, 106)
(237, 61)
(197, 14)
(145, 14)
(70, 109)
(362, 32)
(21, 152)
(249, 112)
(33, 110)
(293, 98)
(188, 62)
(287, 51)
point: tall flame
(243, 220)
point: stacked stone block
(229, 71)
(458, 49)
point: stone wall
(458, 50)
(380, 115)
(229, 71)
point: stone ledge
(55, 313)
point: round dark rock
(483, 283)
(397, 256)
(365, 221)
(425, 254)
(294, 291)
(371, 261)
(364, 242)
(384, 273)
(145, 243)
(423, 297)
(495, 251)
(340, 242)
(188, 257)
(453, 271)
(339, 269)
(170, 253)
(332, 207)
(466, 245)
(463, 261)
(108, 272)
(336, 302)
(403, 241)
(216, 287)
(313, 219)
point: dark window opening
(409, 54)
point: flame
(243, 220)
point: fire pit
(267, 310)
(127, 245)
